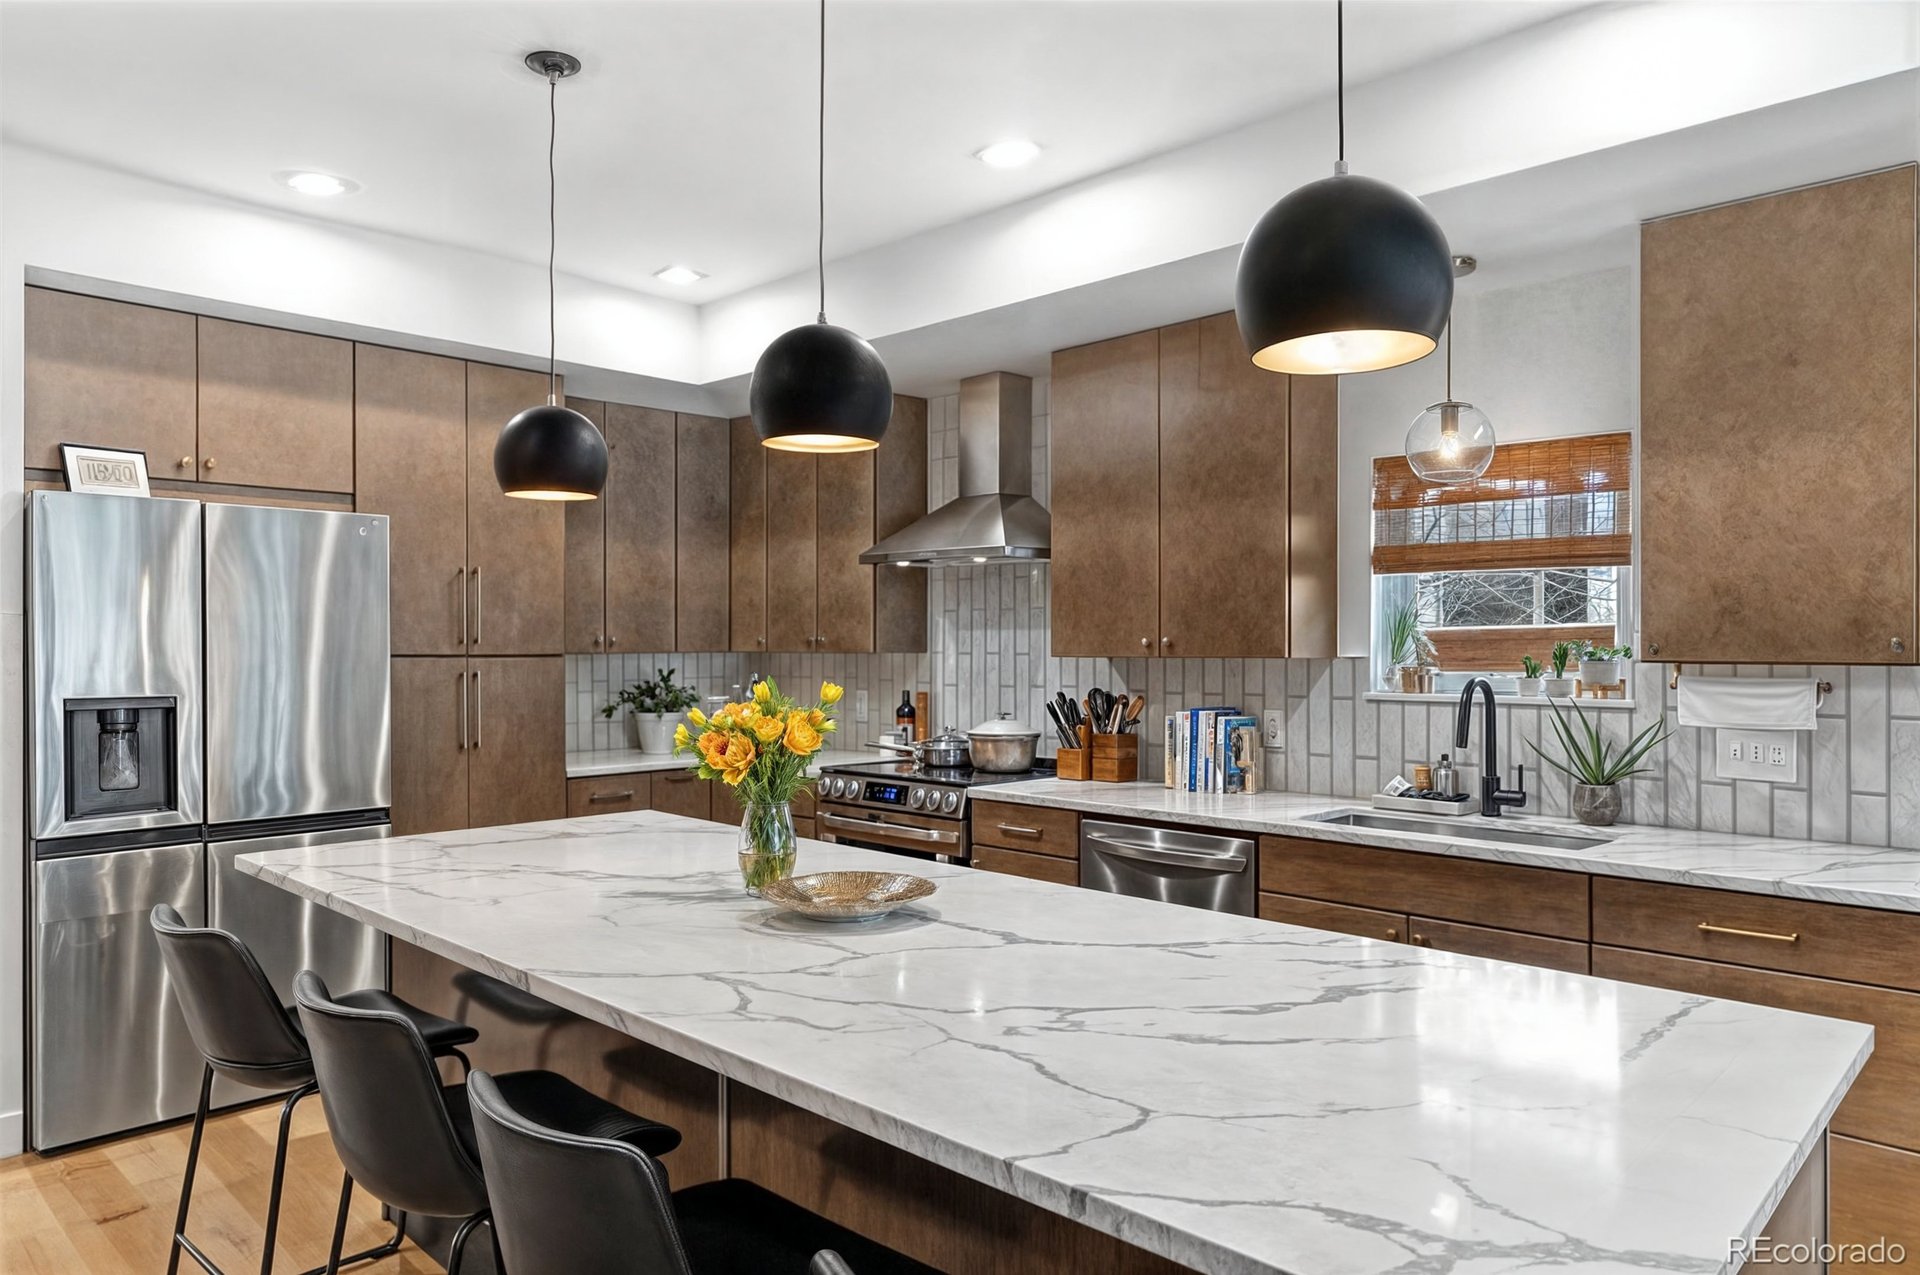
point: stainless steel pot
(1003, 746)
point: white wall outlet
(859, 706)
(1273, 729)
(1772, 755)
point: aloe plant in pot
(1528, 683)
(1408, 647)
(1595, 765)
(1559, 686)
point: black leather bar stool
(408, 1139)
(245, 1034)
(567, 1204)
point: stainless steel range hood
(996, 518)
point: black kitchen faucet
(1492, 795)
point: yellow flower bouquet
(761, 749)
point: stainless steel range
(902, 808)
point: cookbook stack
(1213, 749)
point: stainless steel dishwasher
(1174, 865)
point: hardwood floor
(108, 1209)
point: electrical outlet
(859, 706)
(1772, 755)
(1273, 729)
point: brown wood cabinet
(1035, 867)
(640, 513)
(701, 534)
(1875, 1196)
(276, 407)
(681, 792)
(410, 463)
(1314, 914)
(1183, 487)
(1570, 956)
(1033, 829)
(110, 374)
(606, 794)
(516, 549)
(477, 742)
(798, 526)
(1757, 320)
(584, 591)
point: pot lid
(1006, 725)
(948, 738)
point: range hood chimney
(996, 518)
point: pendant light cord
(553, 132)
(820, 245)
(1340, 77)
(1449, 358)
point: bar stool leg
(193, 1160)
(458, 1250)
(340, 1225)
(280, 1172)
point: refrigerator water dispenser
(120, 757)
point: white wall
(1543, 359)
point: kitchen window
(1535, 551)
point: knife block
(1115, 758)
(1073, 763)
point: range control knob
(917, 798)
(950, 802)
(836, 788)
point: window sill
(1519, 701)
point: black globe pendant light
(1345, 274)
(551, 452)
(821, 388)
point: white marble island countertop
(591, 763)
(1237, 1095)
(1821, 871)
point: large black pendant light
(1346, 274)
(551, 452)
(821, 388)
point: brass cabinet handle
(612, 796)
(1016, 828)
(759, 641)
(1421, 940)
(461, 576)
(611, 639)
(1749, 934)
(186, 462)
(1394, 935)
(1146, 644)
(479, 709)
(209, 462)
(479, 608)
(1653, 648)
(1899, 646)
(1166, 641)
(466, 717)
(596, 640)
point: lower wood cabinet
(1874, 1196)
(606, 794)
(681, 792)
(1366, 923)
(1031, 829)
(1036, 867)
(1570, 956)
(477, 742)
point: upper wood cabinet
(799, 525)
(586, 579)
(1193, 499)
(410, 463)
(701, 533)
(1777, 428)
(516, 549)
(276, 407)
(112, 375)
(639, 500)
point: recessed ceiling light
(678, 274)
(308, 182)
(1012, 153)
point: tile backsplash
(1858, 775)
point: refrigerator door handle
(479, 709)
(466, 723)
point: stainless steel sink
(1462, 828)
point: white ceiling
(689, 137)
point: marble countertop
(631, 761)
(1236, 1095)
(1823, 871)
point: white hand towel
(1748, 703)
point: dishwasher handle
(1231, 859)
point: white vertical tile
(1869, 821)
(1903, 827)
(1867, 729)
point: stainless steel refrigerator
(203, 682)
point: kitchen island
(1229, 1094)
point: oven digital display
(891, 794)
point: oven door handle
(1231, 861)
(875, 827)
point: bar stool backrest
(237, 1022)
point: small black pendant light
(821, 388)
(551, 452)
(1345, 274)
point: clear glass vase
(766, 844)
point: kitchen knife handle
(479, 708)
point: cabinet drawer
(681, 792)
(1499, 945)
(1874, 1194)
(1882, 1105)
(1534, 900)
(1860, 945)
(1338, 917)
(1034, 829)
(1017, 863)
(604, 794)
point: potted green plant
(1595, 766)
(1528, 683)
(654, 707)
(1408, 648)
(1559, 686)
(1600, 665)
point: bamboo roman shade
(1558, 502)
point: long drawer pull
(1749, 934)
(1017, 829)
(612, 796)
(875, 828)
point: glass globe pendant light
(1345, 274)
(1451, 442)
(551, 452)
(821, 388)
